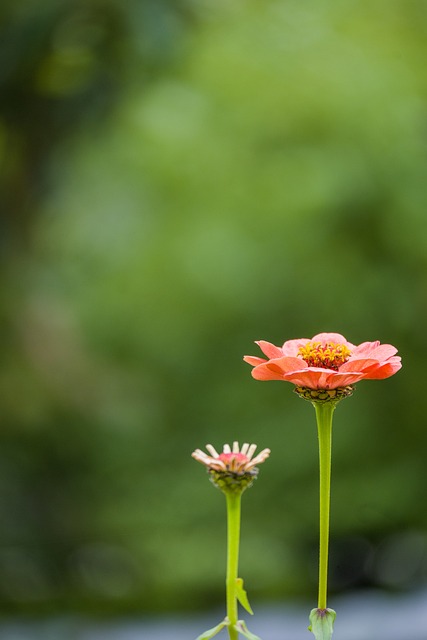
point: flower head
(233, 469)
(326, 362)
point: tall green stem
(233, 539)
(324, 412)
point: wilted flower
(232, 471)
(326, 362)
(236, 460)
(234, 468)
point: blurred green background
(180, 178)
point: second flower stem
(324, 412)
(233, 539)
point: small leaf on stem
(242, 596)
(210, 633)
(322, 623)
(241, 627)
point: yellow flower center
(327, 356)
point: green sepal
(324, 395)
(231, 482)
(242, 596)
(241, 627)
(322, 623)
(210, 633)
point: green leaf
(210, 633)
(241, 627)
(322, 623)
(242, 596)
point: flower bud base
(324, 395)
(232, 482)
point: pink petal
(273, 366)
(291, 347)
(383, 352)
(307, 378)
(380, 352)
(316, 378)
(329, 337)
(270, 350)
(358, 366)
(385, 370)
(365, 348)
(253, 360)
(338, 379)
(264, 372)
(288, 364)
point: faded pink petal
(365, 348)
(291, 347)
(238, 461)
(332, 337)
(378, 351)
(383, 352)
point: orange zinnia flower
(327, 361)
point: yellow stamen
(327, 356)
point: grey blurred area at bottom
(361, 616)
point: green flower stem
(324, 413)
(233, 539)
